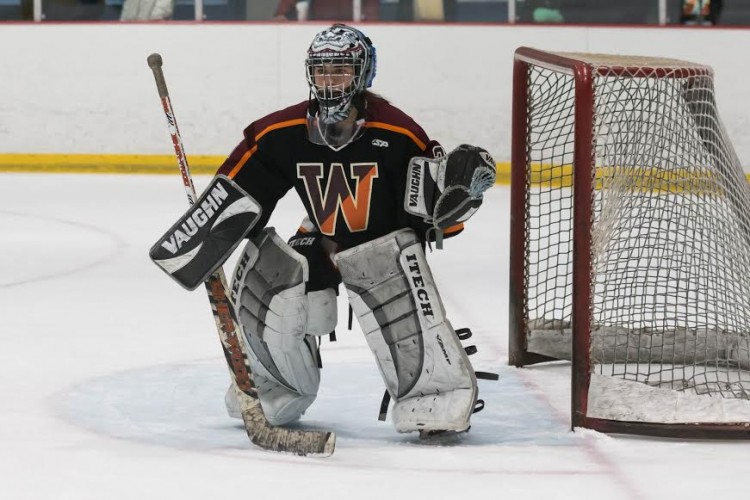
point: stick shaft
(216, 285)
(155, 63)
(179, 150)
(260, 432)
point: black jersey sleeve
(253, 163)
(416, 144)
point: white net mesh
(670, 233)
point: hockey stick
(261, 433)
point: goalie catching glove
(448, 190)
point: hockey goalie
(376, 190)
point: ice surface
(112, 381)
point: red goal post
(630, 243)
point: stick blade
(281, 439)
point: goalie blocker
(204, 237)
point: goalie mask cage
(630, 243)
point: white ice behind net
(670, 247)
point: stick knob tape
(155, 62)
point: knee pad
(279, 322)
(424, 366)
(318, 250)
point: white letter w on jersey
(337, 195)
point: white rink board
(83, 88)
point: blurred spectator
(705, 12)
(27, 10)
(147, 10)
(73, 10)
(328, 10)
(543, 11)
(427, 10)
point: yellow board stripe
(503, 173)
(131, 164)
(207, 165)
(106, 164)
(634, 179)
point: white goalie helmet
(340, 65)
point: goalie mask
(340, 65)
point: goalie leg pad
(279, 319)
(424, 366)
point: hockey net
(631, 242)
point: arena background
(80, 97)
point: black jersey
(352, 195)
